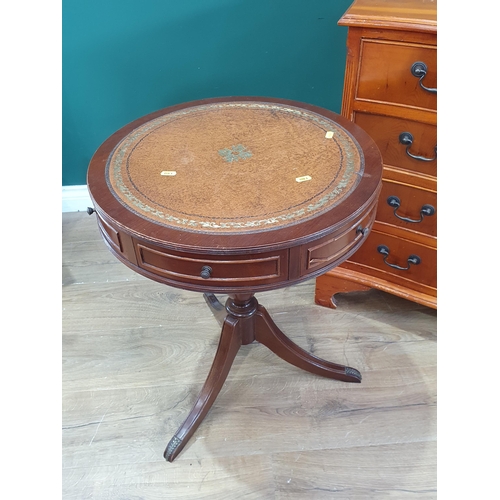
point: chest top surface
(415, 15)
(234, 167)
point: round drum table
(235, 196)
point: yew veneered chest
(390, 91)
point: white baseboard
(76, 199)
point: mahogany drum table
(235, 196)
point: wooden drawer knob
(206, 272)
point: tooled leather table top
(234, 167)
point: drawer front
(409, 207)
(110, 235)
(327, 251)
(385, 73)
(399, 251)
(386, 132)
(255, 269)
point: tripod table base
(244, 321)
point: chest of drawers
(390, 90)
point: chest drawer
(409, 207)
(418, 156)
(256, 269)
(385, 73)
(397, 263)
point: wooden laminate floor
(136, 354)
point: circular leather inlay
(234, 167)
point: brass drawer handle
(426, 210)
(406, 139)
(419, 69)
(206, 272)
(412, 259)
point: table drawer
(254, 269)
(385, 73)
(386, 132)
(110, 235)
(409, 207)
(393, 264)
(325, 252)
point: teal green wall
(123, 59)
